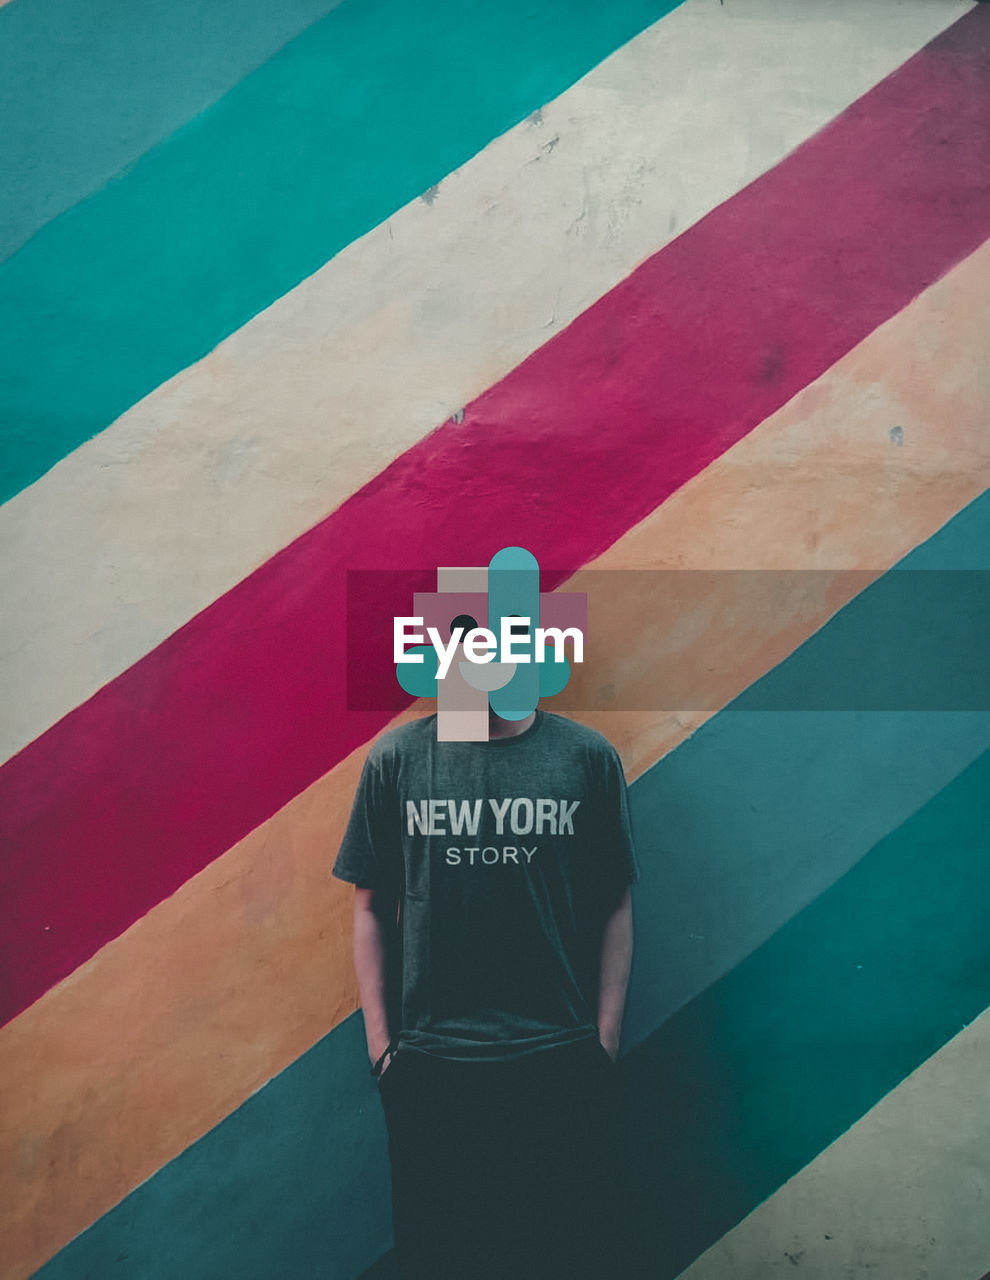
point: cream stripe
(144, 526)
(903, 1193)
(254, 951)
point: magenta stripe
(170, 764)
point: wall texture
(295, 289)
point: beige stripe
(219, 468)
(904, 1193)
(254, 952)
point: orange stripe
(172, 1025)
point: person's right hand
(386, 1061)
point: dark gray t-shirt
(506, 856)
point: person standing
(492, 946)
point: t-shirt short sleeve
(618, 848)
(370, 853)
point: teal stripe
(754, 1078)
(367, 109)
(759, 811)
(293, 1185)
(87, 86)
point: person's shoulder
(396, 742)
(581, 735)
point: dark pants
(504, 1169)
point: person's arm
(616, 962)
(375, 937)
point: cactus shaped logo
(488, 636)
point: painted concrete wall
(695, 289)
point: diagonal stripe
(256, 946)
(904, 1192)
(727, 1100)
(238, 711)
(87, 86)
(246, 450)
(757, 1075)
(214, 224)
(312, 1143)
